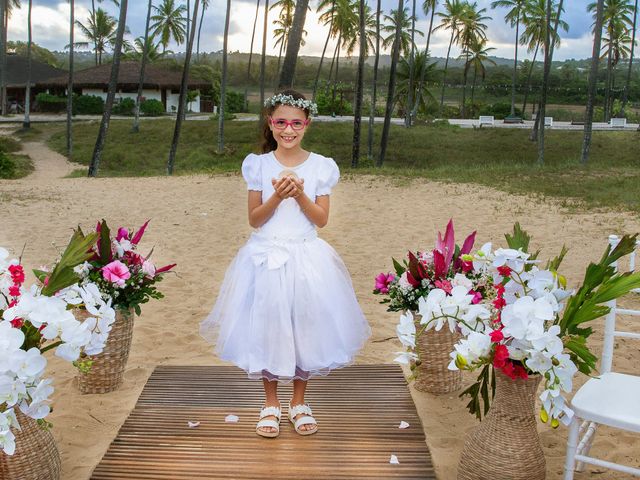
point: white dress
(286, 308)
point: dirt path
(48, 164)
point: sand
(200, 221)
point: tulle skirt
(286, 310)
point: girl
(286, 309)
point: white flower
(473, 319)
(524, 319)
(514, 259)
(7, 438)
(11, 339)
(406, 330)
(28, 364)
(471, 349)
(462, 281)
(483, 258)
(405, 357)
(82, 270)
(430, 308)
(12, 390)
(122, 246)
(403, 283)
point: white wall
(173, 100)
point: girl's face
(288, 125)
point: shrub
(7, 166)
(88, 105)
(152, 108)
(234, 102)
(326, 105)
(50, 103)
(499, 110)
(125, 106)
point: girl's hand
(299, 187)
(283, 187)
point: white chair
(618, 122)
(486, 120)
(612, 399)
(548, 121)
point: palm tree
(593, 78)
(479, 57)
(101, 30)
(616, 21)
(93, 15)
(169, 22)
(345, 25)
(205, 5)
(253, 35)
(407, 33)
(375, 83)
(512, 18)
(284, 23)
(407, 117)
(5, 12)
(328, 9)
(143, 45)
(183, 93)
(113, 83)
(353, 40)
(355, 154)
(223, 83)
(533, 35)
(70, 81)
(264, 51)
(27, 98)
(422, 68)
(625, 93)
(154, 50)
(451, 20)
(395, 53)
(545, 82)
(428, 6)
(472, 31)
(293, 44)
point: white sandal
(305, 419)
(269, 412)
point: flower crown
(283, 99)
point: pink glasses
(281, 123)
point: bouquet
(119, 271)
(37, 319)
(529, 323)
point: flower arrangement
(37, 319)
(528, 323)
(119, 271)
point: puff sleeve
(252, 172)
(327, 177)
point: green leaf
(398, 267)
(519, 239)
(554, 264)
(617, 286)
(104, 247)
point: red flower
(520, 372)
(499, 303)
(504, 270)
(444, 285)
(17, 273)
(499, 289)
(496, 336)
(17, 322)
(501, 357)
(14, 291)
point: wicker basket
(433, 374)
(108, 367)
(506, 445)
(36, 456)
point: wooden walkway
(358, 409)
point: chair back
(610, 332)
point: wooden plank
(358, 409)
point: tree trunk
(412, 61)
(223, 82)
(464, 88)
(188, 20)
(333, 61)
(526, 90)
(390, 93)
(607, 86)
(70, 82)
(473, 85)
(113, 84)
(264, 52)
(545, 83)
(324, 50)
(279, 59)
(93, 16)
(444, 76)
(143, 64)
(253, 36)
(27, 98)
(375, 83)
(515, 69)
(182, 100)
(625, 93)
(335, 79)
(593, 78)
(200, 31)
(293, 45)
(3, 57)
(359, 87)
(424, 67)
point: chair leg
(586, 442)
(572, 446)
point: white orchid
(470, 349)
(405, 357)
(8, 421)
(483, 258)
(514, 259)
(406, 330)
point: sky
(50, 19)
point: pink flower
(116, 272)
(477, 297)
(149, 269)
(122, 233)
(444, 285)
(382, 282)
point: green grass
(501, 158)
(13, 165)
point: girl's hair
(268, 141)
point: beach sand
(199, 222)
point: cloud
(50, 27)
